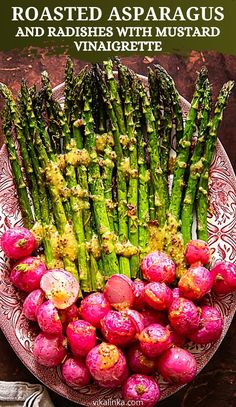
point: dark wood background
(215, 386)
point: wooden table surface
(215, 386)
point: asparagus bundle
(121, 192)
(196, 165)
(213, 126)
(94, 176)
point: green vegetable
(196, 165)
(124, 78)
(202, 195)
(97, 190)
(124, 266)
(184, 148)
(96, 171)
(27, 215)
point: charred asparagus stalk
(143, 174)
(46, 215)
(155, 164)
(155, 95)
(76, 203)
(120, 175)
(202, 195)
(69, 91)
(12, 119)
(184, 149)
(115, 97)
(166, 127)
(124, 77)
(27, 215)
(55, 183)
(196, 165)
(97, 190)
(174, 99)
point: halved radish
(119, 291)
(61, 287)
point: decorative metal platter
(21, 333)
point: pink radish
(50, 350)
(158, 296)
(138, 362)
(177, 366)
(176, 293)
(154, 340)
(196, 282)
(27, 273)
(176, 338)
(18, 243)
(61, 287)
(158, 267)
(75, 373)
(81, 337)
(32, 303)
(119, 291)
(118, 328)
(141, 390)
(93, 308)
(48, 319)
(138, 289)
(106, 362)
(210, 328)
(224, 275)
(197, 251)
(184, 316)
(113, 383)
(154, 317)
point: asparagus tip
(228, 86)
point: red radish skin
(106, 362)
(196, 282)
(27, 274)
(50, 350)
(224, 276)
(18, 243)
(75, 373)
(211, 326)
(176, 338)
(119, 292)
(197, 251)
(176, 293)
(138, 289)
(177, 366)
(81, 337)
(141, 389)
(69, 314)
(137, 319)
(32, 303)
(93, 308)
(118, 328)
(154, 317)
(114, 383)
(154, 340)
(158, 267)
(184, 316)
(138, 362)
(48, 319)
(61, 287)
(158, 296)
